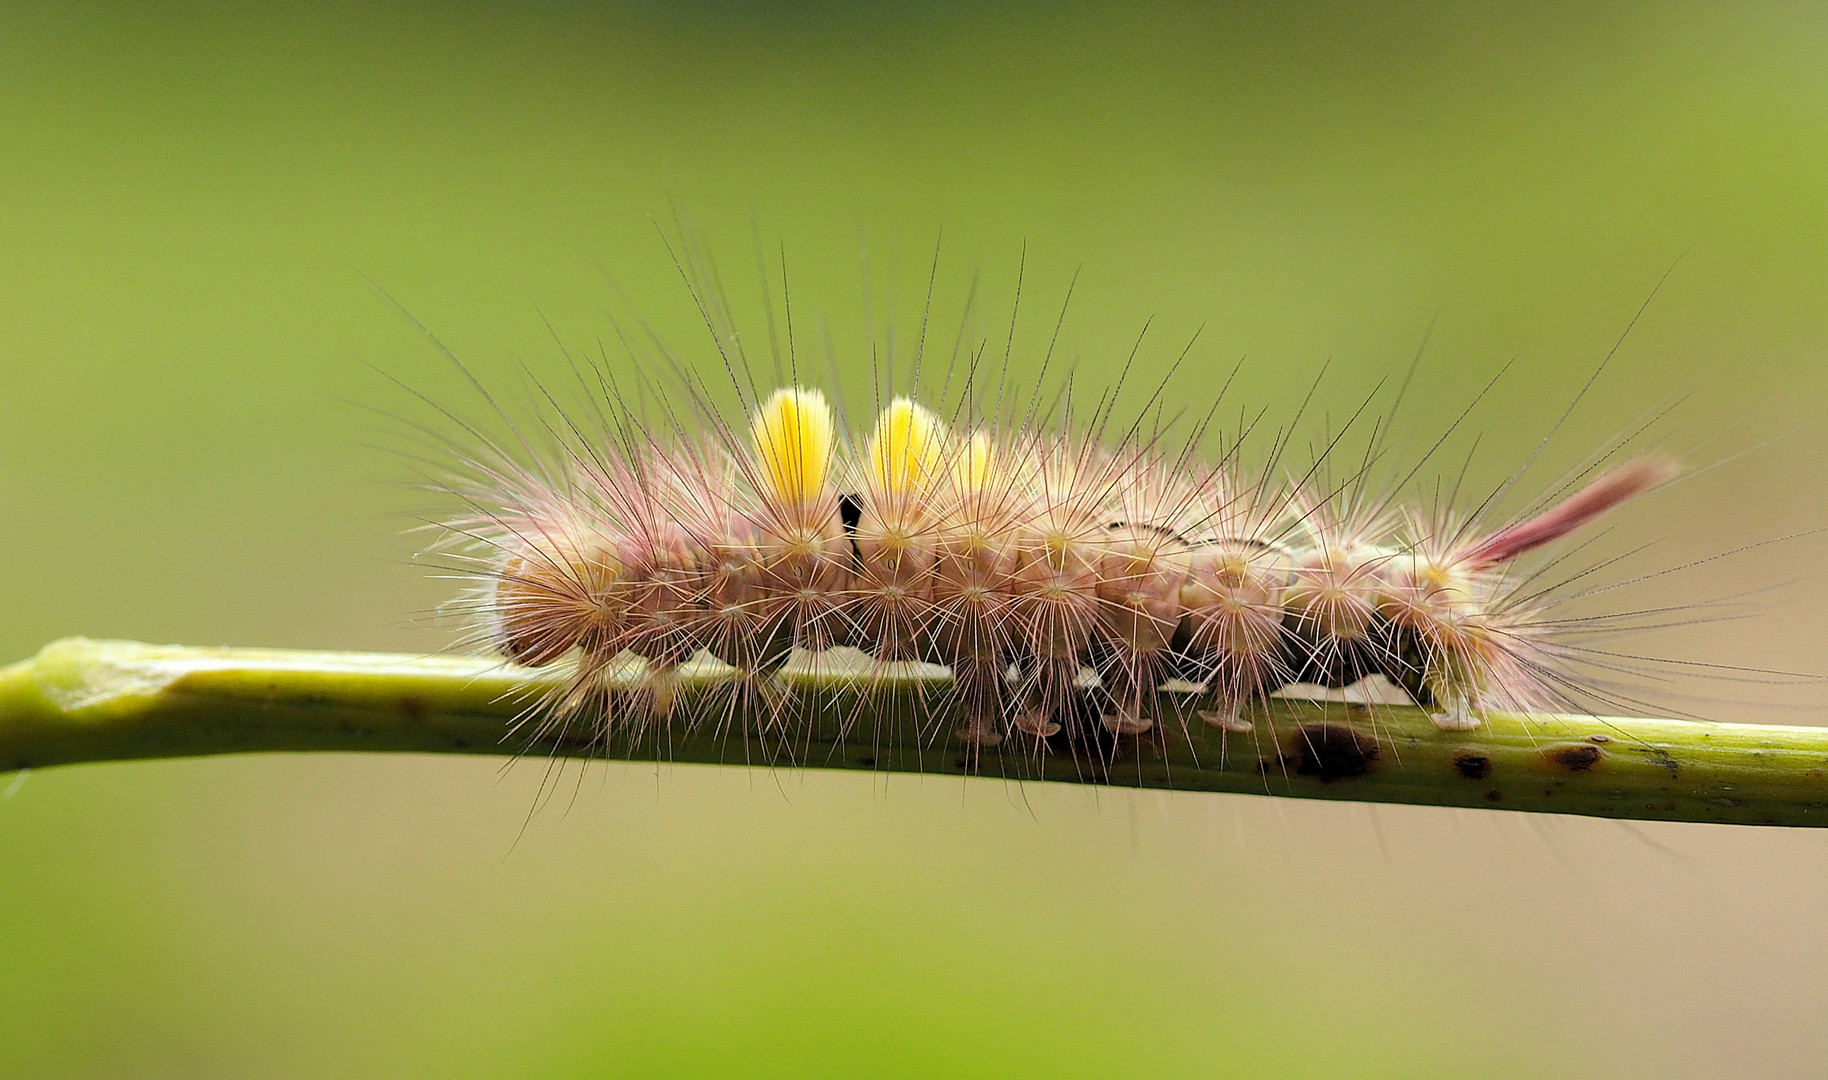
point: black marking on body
(1333, 664)
(850, 514)
(1159, 530)
(1081, 720)
(1404, 662)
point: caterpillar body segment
(1059, 541)
(1462, 629)
(1341, 565)
(893, 534)
(557, 593)
(1156, 506)
(740, 617)
(805, 552)
(977, 510)
(1231, 634)
(1019, 561)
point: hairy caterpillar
(1058, 570)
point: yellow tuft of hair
(972, 471)
(906, 448)
(793, 444)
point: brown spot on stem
(413, 706)
(1575, 759)
(1472, 766)
(1330, 752)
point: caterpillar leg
(1458, 716)
(1229, 716)
(1131, 680)
(1231, 636)
(655, 695)
(1229, 689)
(1047, 687)
(978, 685)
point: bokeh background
(195, 198)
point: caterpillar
(1054, 570)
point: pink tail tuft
(1625, 482)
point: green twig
(80, 701)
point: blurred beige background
(195, 195)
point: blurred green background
(193, 196)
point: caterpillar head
(557, 589)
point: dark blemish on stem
(1330, 752)
(1598, 738)
(870, 762)
(1494, 795)
(1574, 758)
(1473, 766)
(413, 706)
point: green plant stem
(83, 701)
